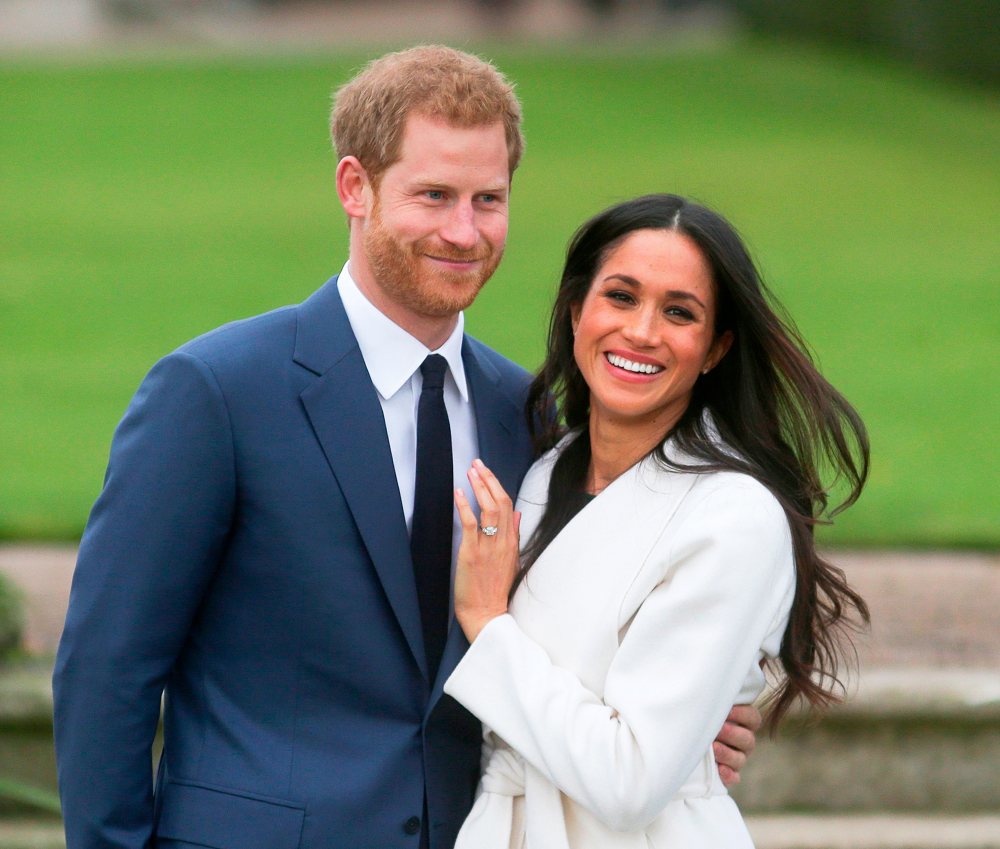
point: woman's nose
(640, 328)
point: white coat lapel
(587, 570)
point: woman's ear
(720, 347)
(353, 187)
(574, 316)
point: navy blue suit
(249, 556)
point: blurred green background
(146, 201)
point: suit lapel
(496, 418)
(344, 410)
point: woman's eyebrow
(676, 294)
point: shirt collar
(390, 353)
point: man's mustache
(452, 255)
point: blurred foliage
(150, 200)
(11, 617)
(958, 37)
(17, 797)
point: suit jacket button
(412, 825)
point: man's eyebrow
(493, 190)
(437, 185)
(676, 294)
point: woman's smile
(632, 364)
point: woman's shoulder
(715, 493)
(734, 484)
(720, 484)
(733, 504)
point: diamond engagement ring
(489, 530)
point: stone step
(877, 831)
(28, 834)
(932, 609)
(919, 733)
(800, 831)
(906, 740)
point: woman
(669, 545)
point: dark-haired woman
(669, 545)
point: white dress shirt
(393, 358)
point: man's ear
(353, 187)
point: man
(250, 556)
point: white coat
(602, 689)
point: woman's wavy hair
(764, 410)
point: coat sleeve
(150, 547)
(727, 583)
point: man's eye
(488, 198)
(435, 194)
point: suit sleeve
(151, 545)
(728, 580)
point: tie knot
(433, 370)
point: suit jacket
(635, 631)
(249, 558)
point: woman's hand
(736, 742)
(487, 563)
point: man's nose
(460, 227)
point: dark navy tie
(430, 538)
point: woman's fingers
(489, 511)
(470, 529)
(487, 563)
(495, 505)
(465, 515)
(496, 490)
(748, 717)
(483, 495)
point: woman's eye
(681, 313)
(621, 297)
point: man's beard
(400, 272)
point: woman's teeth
(628, 365)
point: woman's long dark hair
(776, 419)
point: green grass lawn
(144, 202)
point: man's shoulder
(243, 337)
(263, 338)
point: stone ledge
(926, 693)
(25, 834)
(879, 831)
(917, 693)
(800, 831)
(968, 694)
(907, 741)
(26, 697)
